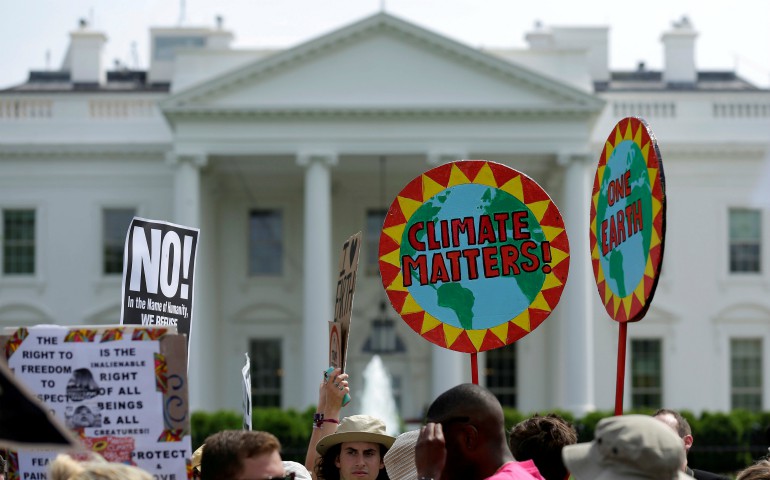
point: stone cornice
(84, 151)
(379, 112)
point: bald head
(466, 400)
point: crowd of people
(463, 438)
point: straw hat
(357, 428)
(399, 461)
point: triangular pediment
(381, 63)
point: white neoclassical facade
(279, 156)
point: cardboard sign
(158, 274)
(473, 255)
(628, 220)
(25, 421)
(122, 390)
(335, 345)
(346, 286)
(246, 373)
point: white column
(577, 332)
(202, 349)
(317, 277)
(448, 369)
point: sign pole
(621, 377)
(475, 368)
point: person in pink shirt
(464, 439)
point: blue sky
(732, 34)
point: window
(266, 372)
(19, 242)
(115, 223)
(746, 373)
(166, 47)
(500, 373)
(646, 373)
(374, 220)
(745, 240)
(265, 242)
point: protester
(464, 439)
(627, 447)
(332, 390)
(355, 451)
(541, 439)
(65, 467)
(681, 427)
(399, 461)
(234, 454)
(758, 471)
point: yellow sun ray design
(633, 130)
(489, 175)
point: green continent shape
(460, 300)
(530, 283)
(616, 271)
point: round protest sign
(628, 220)
(473, 255)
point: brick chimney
(679, 53)
(84, 55)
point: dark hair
(326, 468)
(541, 439)
(224, 452)
(682, 425)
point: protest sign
(627, 229)
(246, 373)
(158, 274)
(122, 390)
(346, 286)
(335, 345)
(473, 255)
(628, 220)
(24, 420)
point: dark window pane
(18, 242)
(265, 242)
(374, 221)
(746, 373)
(646, 373)
(745, 240)
(266, 372)
(500, 373)
(115, 223)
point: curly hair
(758, 471)
(224, 452)
(541, 439)
(326, 467)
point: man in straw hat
(464, 439)
(628, 447)
(355, 451)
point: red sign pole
(621, 378)
(475, 368)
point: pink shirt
(517, 471)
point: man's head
(355, 451)
(679, 425)
(472, 422)
(627, 447)
(541, 440)
(241, 455)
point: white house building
(279, 156)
